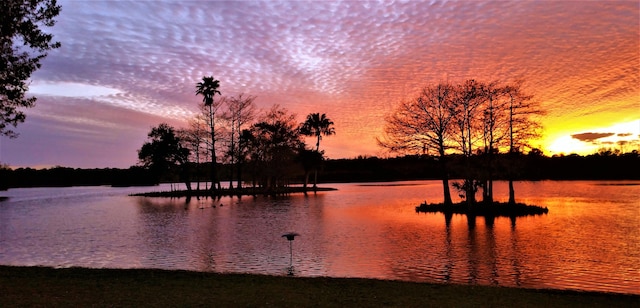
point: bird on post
(290, 236)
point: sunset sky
(127, 66)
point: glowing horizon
(620, 136)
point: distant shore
(356, 170)
(495, 209)
(82, 287)
(225, 192)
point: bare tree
(422, 125)
(194, 138)
(473, 118)
(240, 111)
(494, 131)
(465, 108)
(523, 124)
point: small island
(495, 209)
(246, 191)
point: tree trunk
(470, 192)
(315, 179)
(446, 191)
(445, 176)
(485, 191)
(488, 198)
(490, 195)
(214, 171)
(512, 193)
(233, 152)
(186, 176)
(239, 175)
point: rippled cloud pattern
(353, 60)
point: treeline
(599, 166)
(530, 167)
(65, 177)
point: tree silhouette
(422, 125)
(317, 125)
(208, 88)
(164, 151)
(494, 130)
(194, 139)
(275, 144)
(23, 46)
(245, 140)
(523, 126)
(310, 160)
(465, 108)
(240, 110)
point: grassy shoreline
(44, 286)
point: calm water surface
(590, 240)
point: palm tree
(208, 88)
(317, 125)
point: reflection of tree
(448, 246)
(491, 247)
(515, 254)
(472, 250)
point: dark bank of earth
(495, 209)
(79, 287)
(250, 191)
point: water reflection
(449, 257)
(589, 240)
(514, 259)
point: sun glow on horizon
(624, 137)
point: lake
(589, 240)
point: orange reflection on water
(528, 251)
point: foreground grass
(78, 287)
